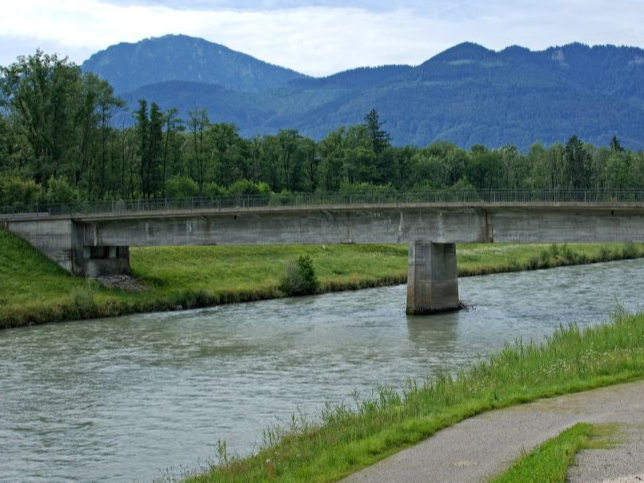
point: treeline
(59, 143)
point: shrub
(300, 278)
(18, 194)
(244, 187)
(182, 187)
(363, 188)
(213, 190)
(60, 192)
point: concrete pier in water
(432, 281)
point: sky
(318, 37)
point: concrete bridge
(96, 242)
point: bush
(60, 192)
(364, 188)
(300, 278)
(18, 194)
(244, 187)
(213, 190)
(182, 187)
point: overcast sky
(318, 37)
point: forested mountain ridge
(466, 95)
(128, 66)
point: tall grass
(351, 437)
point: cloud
(318, 37)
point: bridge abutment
(102, 261)
(432, 281)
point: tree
(150, 148)
(615, 146)
(61, 116)
(143, 132)
(43, 94)
(172, 125)
(576, 164)
(379, 138)
(197, 123)
(155, 150)
(107, 105)
(228, 154)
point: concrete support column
(432, 282)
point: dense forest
(60, 142)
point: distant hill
(466, 95)
(179, 57)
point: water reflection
(435, 333)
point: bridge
(94, 240)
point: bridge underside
(99, 245)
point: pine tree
(379, 137)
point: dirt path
(483, 446)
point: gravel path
(483, 446)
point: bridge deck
(88, 217)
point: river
(148, 396)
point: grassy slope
(34, 290)
(349, 439)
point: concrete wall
(566, 225)
(373, 225)
(292, 227)
(55, 238)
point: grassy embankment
(348, 439)
(551, 460)
(34, 290)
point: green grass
(34, 290)
(350, 438)
(550, 461)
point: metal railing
(442, 197)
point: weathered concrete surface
(432, 281)
(446, 224)
(479, 448)
(291, 227)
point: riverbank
(571, 360)
(34, 290)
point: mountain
(467, 95)
(181, 58)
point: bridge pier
(432, 281)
